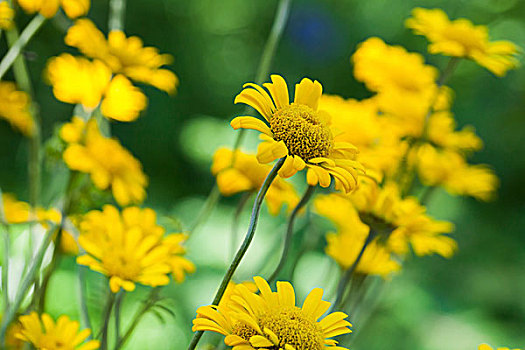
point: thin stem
(107, 315)
(245, 244)
(84, 312)
(148, 303)
(427, 194)
(118, 303)
(343, 282)
(27, 282)
(28, 33)
(235, 222)
(289, 232)
(207, 208)
(270, 47)
(5, 266)
(42, 291)
(117, 10)
(449, 69)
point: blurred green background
(434, 304)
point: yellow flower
(299, 132)
(123, 55)
(380, 147)
(44, 334)
(449, 169)
(247, 174)
(6, 15)
(78, 80)
(440, 131)
(130, 247)
(15, 211)
(461, 38)
(48, 8)
(109, 164)
(73, 132)
(271, 320)
(14, 107)
(345, 245)
(488, 347)
(123, 101)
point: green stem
(42, 291)
(289, 232)
(270, 47)
(117, 10)
(118, 304)
(5, 266)
(14, 51)
(343, 282)
(27, 282)
(245, 244)
(148, 303)
(107, 315)
(427, 194)
(84, 312)
(235, 222)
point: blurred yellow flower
(15, 211)
(44, 334)
(14, 107)
(6, 15)
(73, 132)
(130, 247)
(48, 8)
(359, 122)
(449, 169)
(488, 347)
(122, 100)
(461, 38)
(109, 164)
(441, 132)
(345, 245)
(299, 132)
(271, 320)
(123, 55)
(247, 174)
(78, 80)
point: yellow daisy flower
(44, 334)
(79, 80)
(130, 247)
(14, 107)
(461, 38)
(488, 347)
(73, 132)
(48, 8)
(345, 245)
(271, 320)
(15, 212)
(441, 132)
(247, 174)
(449, 169)
(6, 15)
(124, 55)
(109, 164)
(299, 132)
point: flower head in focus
(124, 55)
(247, 174)
(461, 38)
(299, 132)
(109, 164)
(48, 8)
(14, 107)
(129, 248)
(271, 320)
(46, 334)
(6, 15)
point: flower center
(119, 264)
(303, 132)
(50, 341)
(291, 328)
